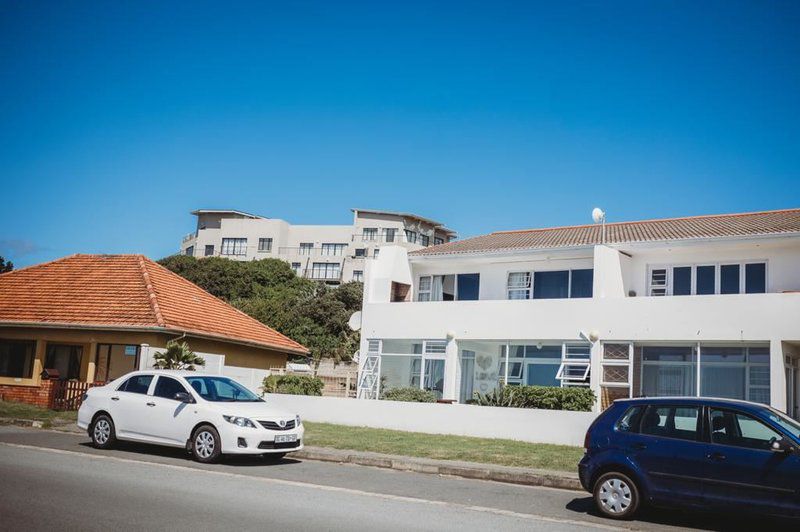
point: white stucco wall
(522, 424)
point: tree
(177, 356)
(5, 265)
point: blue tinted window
(755, 278)
(582, 283)
(551, 285)
(468, 286)
(705, 280)
(729, 279)
(682, 281)
(543, 375)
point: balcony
(322, 275)
(743, 317)
(190, 236)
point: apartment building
(333, 254)
(699, 306)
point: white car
(207, 414)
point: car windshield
(788, 424)
(222, 390)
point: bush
(409, 395)
(544, 397)
(293, 384)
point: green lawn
(24, 411)
(483, 450)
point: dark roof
(671, 229)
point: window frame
(669, 287)
(358, 275)
(709, 428)
(208, 251)
(369, 234)
(332, 249)
(167, 377)
(702, 433)
(532, 282)
(429, 291)
(265, 245)
(149, 386)
(306, 248)
(237, 247)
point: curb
(509, 475)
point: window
(234, 246)
(551, 285)
(296, 267)
(361, 252)
(370, 233)
(424, 288)
(333, 249)
(167, 387)
(735, 373)
(519, 285)
(16, 358)
(741, 430)
(708, 279)
(468, 286)
(136, 384)
(264, 245)
(581, 283)
(306, 248)
(222, 389)
(66, 359)
(460, 287)
(682, 281)
(467, 376)
(326, 270)
(437, 241)
(375, 253)
(209, 251)
(190, 251)
(411, 236)
(424, 240)
(575, 365)
(669, 371)
(358, 275)
(389, 233)
(629, 422)
(679, 422)
(705, 280)
(729, 279)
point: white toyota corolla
(207, 414)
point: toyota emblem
(282, 423)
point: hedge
(293, 384)
(409, 395)
(543, 397)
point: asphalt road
(52, 480)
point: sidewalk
(470, 470)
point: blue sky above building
(118, 119)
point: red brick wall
(33, 395)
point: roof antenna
(599, 216)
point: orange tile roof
(672, 229)
(126, 291)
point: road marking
(322, 487)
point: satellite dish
(355, 321)
(598, 215)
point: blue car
(711, 454)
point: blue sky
(118, 118)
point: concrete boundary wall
(523, 424)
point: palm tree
(177, 356)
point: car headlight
(240, 421)
(297, 420)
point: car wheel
(616, 496)
(273, 458)
(102, 432)
(206, 445)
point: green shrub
(293, 384)
(544, 397)
(409, 395)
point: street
(53, 480)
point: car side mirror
(781, 446)
(183, 397)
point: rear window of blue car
(629, 422)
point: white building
(706, 305)
(330, 253)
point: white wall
(522, 424)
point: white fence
(523, 424)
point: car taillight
(587, 441)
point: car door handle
(115, 398)
(715, 456)
(638, 446)
(151, 404)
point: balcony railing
(322, 275)
(188, 237)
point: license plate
(285, 438)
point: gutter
(154, 329)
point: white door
(170, 420)
(129, 408)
